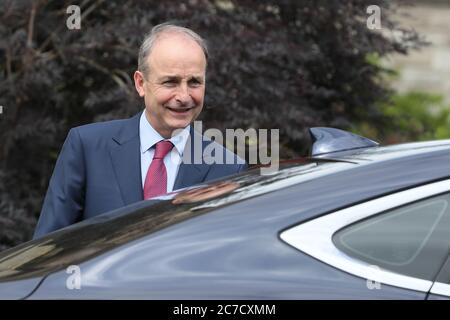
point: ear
(139, 83)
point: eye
(169, 83)
(194, 83)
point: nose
(183, 96)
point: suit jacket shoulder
(120, 130)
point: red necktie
(156, 179)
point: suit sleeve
(64, 201)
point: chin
(177, 124)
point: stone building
(429, 68)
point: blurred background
(275, 64)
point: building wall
(428, 69)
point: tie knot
(162, 149)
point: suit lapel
(126, 160)
(190, 172)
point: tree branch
(31, 23)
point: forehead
(175, 53)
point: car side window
(412, 240)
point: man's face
(174, 89)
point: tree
(287, 64)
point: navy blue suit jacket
(99, 170)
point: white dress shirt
(149, 137)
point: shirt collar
(149, 136)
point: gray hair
(155, 33)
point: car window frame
(441, 285)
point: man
(104, 166)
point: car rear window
(412, 240)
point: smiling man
(171, 78)
(108, 165)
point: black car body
(368, 223)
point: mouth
(180, 111)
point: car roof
(390, 152)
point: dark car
(353, 221)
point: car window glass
(412, 240)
